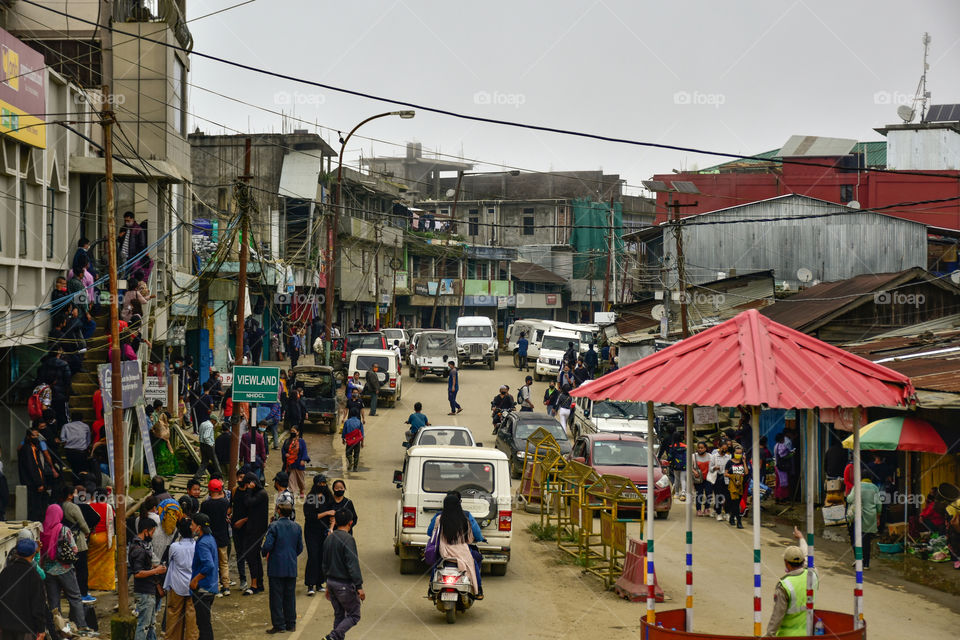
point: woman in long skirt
(318, 513)
(101, 561)
(782, 452)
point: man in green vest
(789, 617)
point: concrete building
(419, 174)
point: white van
(391, 381)
(534, 330)
(477, 341)
(588, 332)
(609, 416)
(552, 348)
(480, 474)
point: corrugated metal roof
(530, 272)
(932, 360)
(816, 146)
(875, 155)
(754, 361)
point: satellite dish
(955, 277)
(854, 204)
(657, 312)
(804, 274)
(906, 113)
(450, 193)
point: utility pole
(243, 197)
(394, 266)
(116, 388)
(446, 244)
(681, 268)
(376, 275)
(610, 258)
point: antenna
(922, 95)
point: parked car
(624, 455)
(517, 426)
(482, 477)
(319, 394)
(444, 436)
(391, 383)
(432, 353)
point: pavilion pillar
(857, 524)
(688, 509)
(651, 516)
(811, 451)
(755, 507)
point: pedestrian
(23, 603)
(354, 402)
(342, 503)
(203, 575)
(570, 355)
(580, 373)
(281, 484)
(564, 404)
(453, 387)
(835, 459)
(281, 546)
(352, 438)
(59, 553)
(550, 397)
(372, 387)
(590, 360)
(102, 548)
(144, 570)
(181, 616)
(32, 465)
(272, 422)
(789, 616)
(208, 457)
(190, 501)
(565, 377)
(221, 446)
(294, 458)
(253, 449)
(217, 509)
(701, 469)
(870, 505)
(783, 457)
(256, 506)
(525, 395)
(73, 517)
(318, 515)
(735, 472)
(238, 518)
(675, 454)
(718, 466)
(522, 346)
(344, 579)
(75, 436)
(293, 348)
(296, 410)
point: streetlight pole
(334, 225)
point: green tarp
(590, 237)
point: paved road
(543, 595)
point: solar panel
(655, 185)
(682, 186)
(943, 113)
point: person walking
(318, 515)
(181, 616)
(590, 360)
(344, 579)
(208, 457)
(293, 348)
(871, 504)
(73, 518)
(565, 377)
(342, 503)
(550, 397)
(372, 387)
(522, 346)
(23, 604)
(789, 615)
(217, 509)
(257, 507)
(453, 388)
(281, 546)
(783, 457)
(564, 404)
(701, 469)
(352, 438)
(675, 454)
(718, 468)
(525, 395)
(272, 422)
(238, 518)
(204, 575)
(58, 555)
(294, 458)
(144, 571)
(735, 471)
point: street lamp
(335, 225)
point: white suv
(554, 344)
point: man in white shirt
(525, 395)
(207, 454)
(181, 616)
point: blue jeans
(373, 403)
(146, 616)
(272, 424)
(346, 607)
(452, 397)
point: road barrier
(539, 444)
(618, 501)
(632, 585)
(572, 483)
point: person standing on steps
(453, 387)
(281, 546)
(372, 387)
(344, 580)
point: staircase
(85, 383)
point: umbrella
(900, 434)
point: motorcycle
(450, 589)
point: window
(846, 193)
(528, 225)
(481, 270)
(23, 222)
(441, 476)
(51, 209)
(179, 101)
(490, 210)
(473, 229)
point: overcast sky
(735, 76)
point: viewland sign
(255, 384)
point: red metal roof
(752, 360)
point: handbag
(431, 553)
(697, 474)
(353, 437)
(65, 552)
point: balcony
(168, 11)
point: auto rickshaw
(319, 394)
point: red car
(624, 455)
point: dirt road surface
(543, 594)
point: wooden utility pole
(453, 218)
(610, 259)
(116, 388)
(243, 197)
(681, 267)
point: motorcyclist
(459, 533)
(417, 420)
(502, 403)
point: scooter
(450, 589)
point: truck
(477, 341)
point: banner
(130, 381)
(22, 92)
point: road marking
(311, 610)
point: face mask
(339, 492)
(147, 538)
(737, 456)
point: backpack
(170, 513)
(35, 402)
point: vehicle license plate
(449, 595)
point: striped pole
(755, 506)
(651, 515)
(810, 448)
(688, 473)
(857, 524)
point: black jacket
(30, 463)
(257, 505)
(23, 605)
(340, 560)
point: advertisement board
(22, 92)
